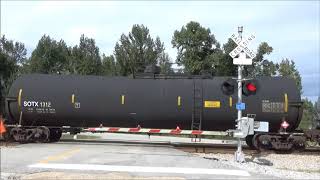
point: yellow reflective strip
(72, 98)
(230, 101)
(285, 102)
(179, 100)
(19, 97)
(122, 99)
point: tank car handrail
(170, 76)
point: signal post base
(239, 156)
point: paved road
(102, 160)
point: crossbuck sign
(242, 50)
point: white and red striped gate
(176, 131)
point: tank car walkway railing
(171, 76)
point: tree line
(198, 53)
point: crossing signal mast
(239, 55)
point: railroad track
(187, 147)
(231, 150)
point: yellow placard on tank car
(212, 104)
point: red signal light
(251, 87)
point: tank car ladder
(197, 107)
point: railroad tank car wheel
(264, 142)
(18, 134)
(7, 136)
(299, 143)
(55, 134)
(249, 141)
(30, 134)
(261, 142)
(42, 134)
(255, 142)
(312, 137)
(311, 143)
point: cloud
(290, 27)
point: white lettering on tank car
(44, 104)
(77, 105)
(30, 103)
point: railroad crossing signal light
(249, 88)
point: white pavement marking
(140, 169)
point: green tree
(260, 65)
(222, 62)
(316, 122)
(198, 50)
(12, 56)
(85, 58)
(137, 50)
(287, 68)
(49, 57)
(195, 44)
(308, 115)
(317, 105)
(109, 66)
(165, 64)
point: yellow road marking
(62, 155)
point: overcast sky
(290, 27)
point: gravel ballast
(288, 166)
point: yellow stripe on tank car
(179, 100)
(285, 102)
(72, 98)
(122, 99)
(19, 98)
(230, 101)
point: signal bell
(249, 88)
